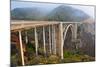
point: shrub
(67, 54)
(34, 60)
(15, 60)
(53, 59)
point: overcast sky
(90, 10)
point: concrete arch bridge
(56, 34)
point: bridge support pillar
(61, 39)
(36, 41)
(26, 37)
(53, 40)
(21, 48)
(75, 33)
(44, 41)
(50, 39)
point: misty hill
(27, 14)
(67, 13)
(60, 13)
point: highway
(21, 24)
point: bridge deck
(18, 25)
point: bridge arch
(68, 36)
(67, 27)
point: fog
(90, 10)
